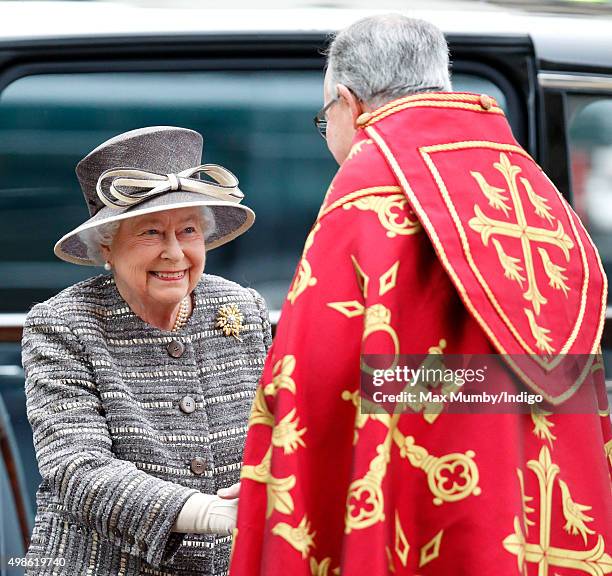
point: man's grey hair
(382, 58)
(95, 238)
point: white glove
(207, 514)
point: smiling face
(158, 258)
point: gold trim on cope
(473, 102)
(486, 101)
(363, 119)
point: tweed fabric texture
(113, 447)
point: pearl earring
(107, 266)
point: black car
(250, 81)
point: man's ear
(355, 105)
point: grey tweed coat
(115, 439)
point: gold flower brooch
(229, 320)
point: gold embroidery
(388, 280)
(594, 561)
(432, 103)
(260, 472)
(377, 318)
(493, 194)
(540, 334)
(365, 503)
(351, 196)
(361, 417)
(278, 493)
(390, 563)
(510, 264)
(393, 213)
(556, 278)
(439, 247)
(436, 467)
(286, 434)
(321, 569)
(525, 503)
(300, 536)
(542, 426)
(259, 411)
(229, 319)
(376, 315)
(539, 203)
(608, 450)
(350, 309)
(439, 349)
(431, 410)
(431, 550)
(520, 229)
(544, 362)
(281, 376)
(362, 278)
(574, 514)
(402, 547)
(429, 97)
(303, 277)
(357, 148)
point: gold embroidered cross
(488, 228)
(594, 561)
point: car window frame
(506, 60)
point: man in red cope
(438, 234)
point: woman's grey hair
(382, 58)
(94, 238)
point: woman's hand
(229, 493)
(219, 517)
(207, 514)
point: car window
(590, 138)
(256, 123)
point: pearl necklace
(182, 316)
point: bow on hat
(131, 186)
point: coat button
(187, 404)
(198, 465)
(176, 349)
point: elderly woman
(139, 383)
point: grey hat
(151, 170)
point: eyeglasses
(320, 120)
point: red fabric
(329, 490)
